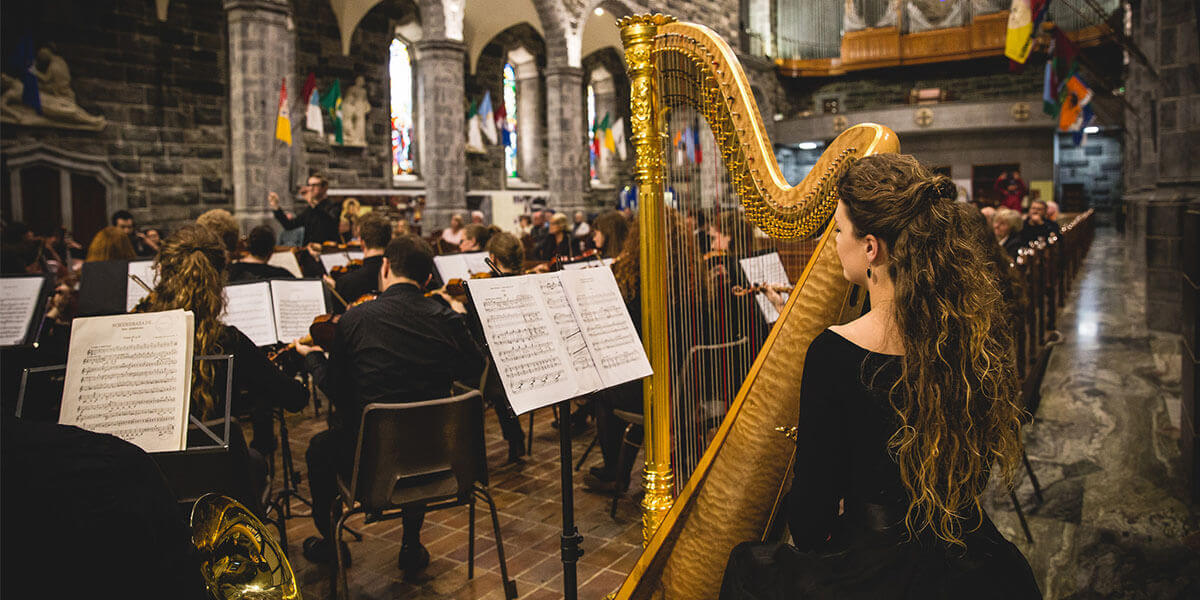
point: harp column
(637, 33)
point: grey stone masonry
(261, 51)
(567, 139)
(442, 129)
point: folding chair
(427, 453)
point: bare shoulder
(868, 332)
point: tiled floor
(527, 496)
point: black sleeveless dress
(864, 552)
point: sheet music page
(296, 302)
(248, 307)
(334, 259)
(767, 268)
(588, 264)
(130, 376)
(611, 338)
(529, 355)
(558, 308)
(286, 260)
(451, 266)
(134, 292)
(355, 254)
(19, 297)
(475, 262)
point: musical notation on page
(249, 307)
(130, 376)
(296, 302)
(765, 268)
(19, 298)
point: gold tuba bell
(238, 557)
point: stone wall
(318, 50)
(162, 86)
(1096, 166)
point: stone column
(441, 131)
(261, 55)
(567, 141)
(531, 151)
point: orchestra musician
(400, 347)
(260, 244)
(375, 231)
(191, 276)
(475, 238)
(557, 241)
(903, 412)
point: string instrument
(456, 288)
(321, 331)
(761, 287)
(339, 270)
(715, 468)
(556, 263)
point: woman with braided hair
(903, 413)
(191, 276)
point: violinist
(376, 232)
(260, 244)
(475, 238)
(400, 347)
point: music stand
(37, 321)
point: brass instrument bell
(238, 557)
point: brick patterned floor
(527, 496)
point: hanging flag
(1024, 18)
(506, 132)
(1075, 114)
(283, 122)
(698, 156)
(332, 103)
(487, 120)
(24, 60)
(312, 102)
(1065, 56)
(618, 132)
(474, 141)
(606, 135)
(1049, 94)
(679, 141)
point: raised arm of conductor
(288, 221)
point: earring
(868, 272)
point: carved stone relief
(57, 100)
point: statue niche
(355, 109)
(59, 109)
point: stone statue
(354, 114)
(54, 89)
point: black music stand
(37, 321)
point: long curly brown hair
(957, 397)
(191, 276)
(110, 244)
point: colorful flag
(606, 134)
(283, 123)
(697, 154)
(618, 131)
(1024, 18)
(332, 103)
(474, 141)
(24, 59)
(506, 132)
(1049, 94)
(487, 120)
(1075, 115)
(312, 101)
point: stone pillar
(261, 55)
(567, 141)
(441, 131)
(531, 146)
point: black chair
(429, 453)
(1031, 398)
(634, 422)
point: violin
(321, 331)
(456, 287)
(711, 254)
(339, 270)
(761, 287)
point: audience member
(260, 245)
(453, 234)
(557, 241)
(581, 231)
(478, 218)
(112, 243)
(525, 225)
(989, 213)
(1011, 189)
(1037, 225)
(1007, 226)
(1052, 211)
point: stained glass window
(593, 147)
(509, 135)
(400, 72)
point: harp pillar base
(657, 501)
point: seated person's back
(254, 267)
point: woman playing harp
(903, 412)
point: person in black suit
(260, 244)
(375, 232)
(400, 347)
(1037, 225)
(320, 219)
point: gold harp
(686, 81)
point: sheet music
(334, 259)
(766, 268)
(355, 254)
(287, 260)
(296, 302)
(529, 355)
(588, 264)
(248, 307)
(611, 337)
(134, 292)
(130, 376)
(460, 266)
(561, 314)
(19, 297)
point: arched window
(593, 146)
(509, 135)
(401, 74)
